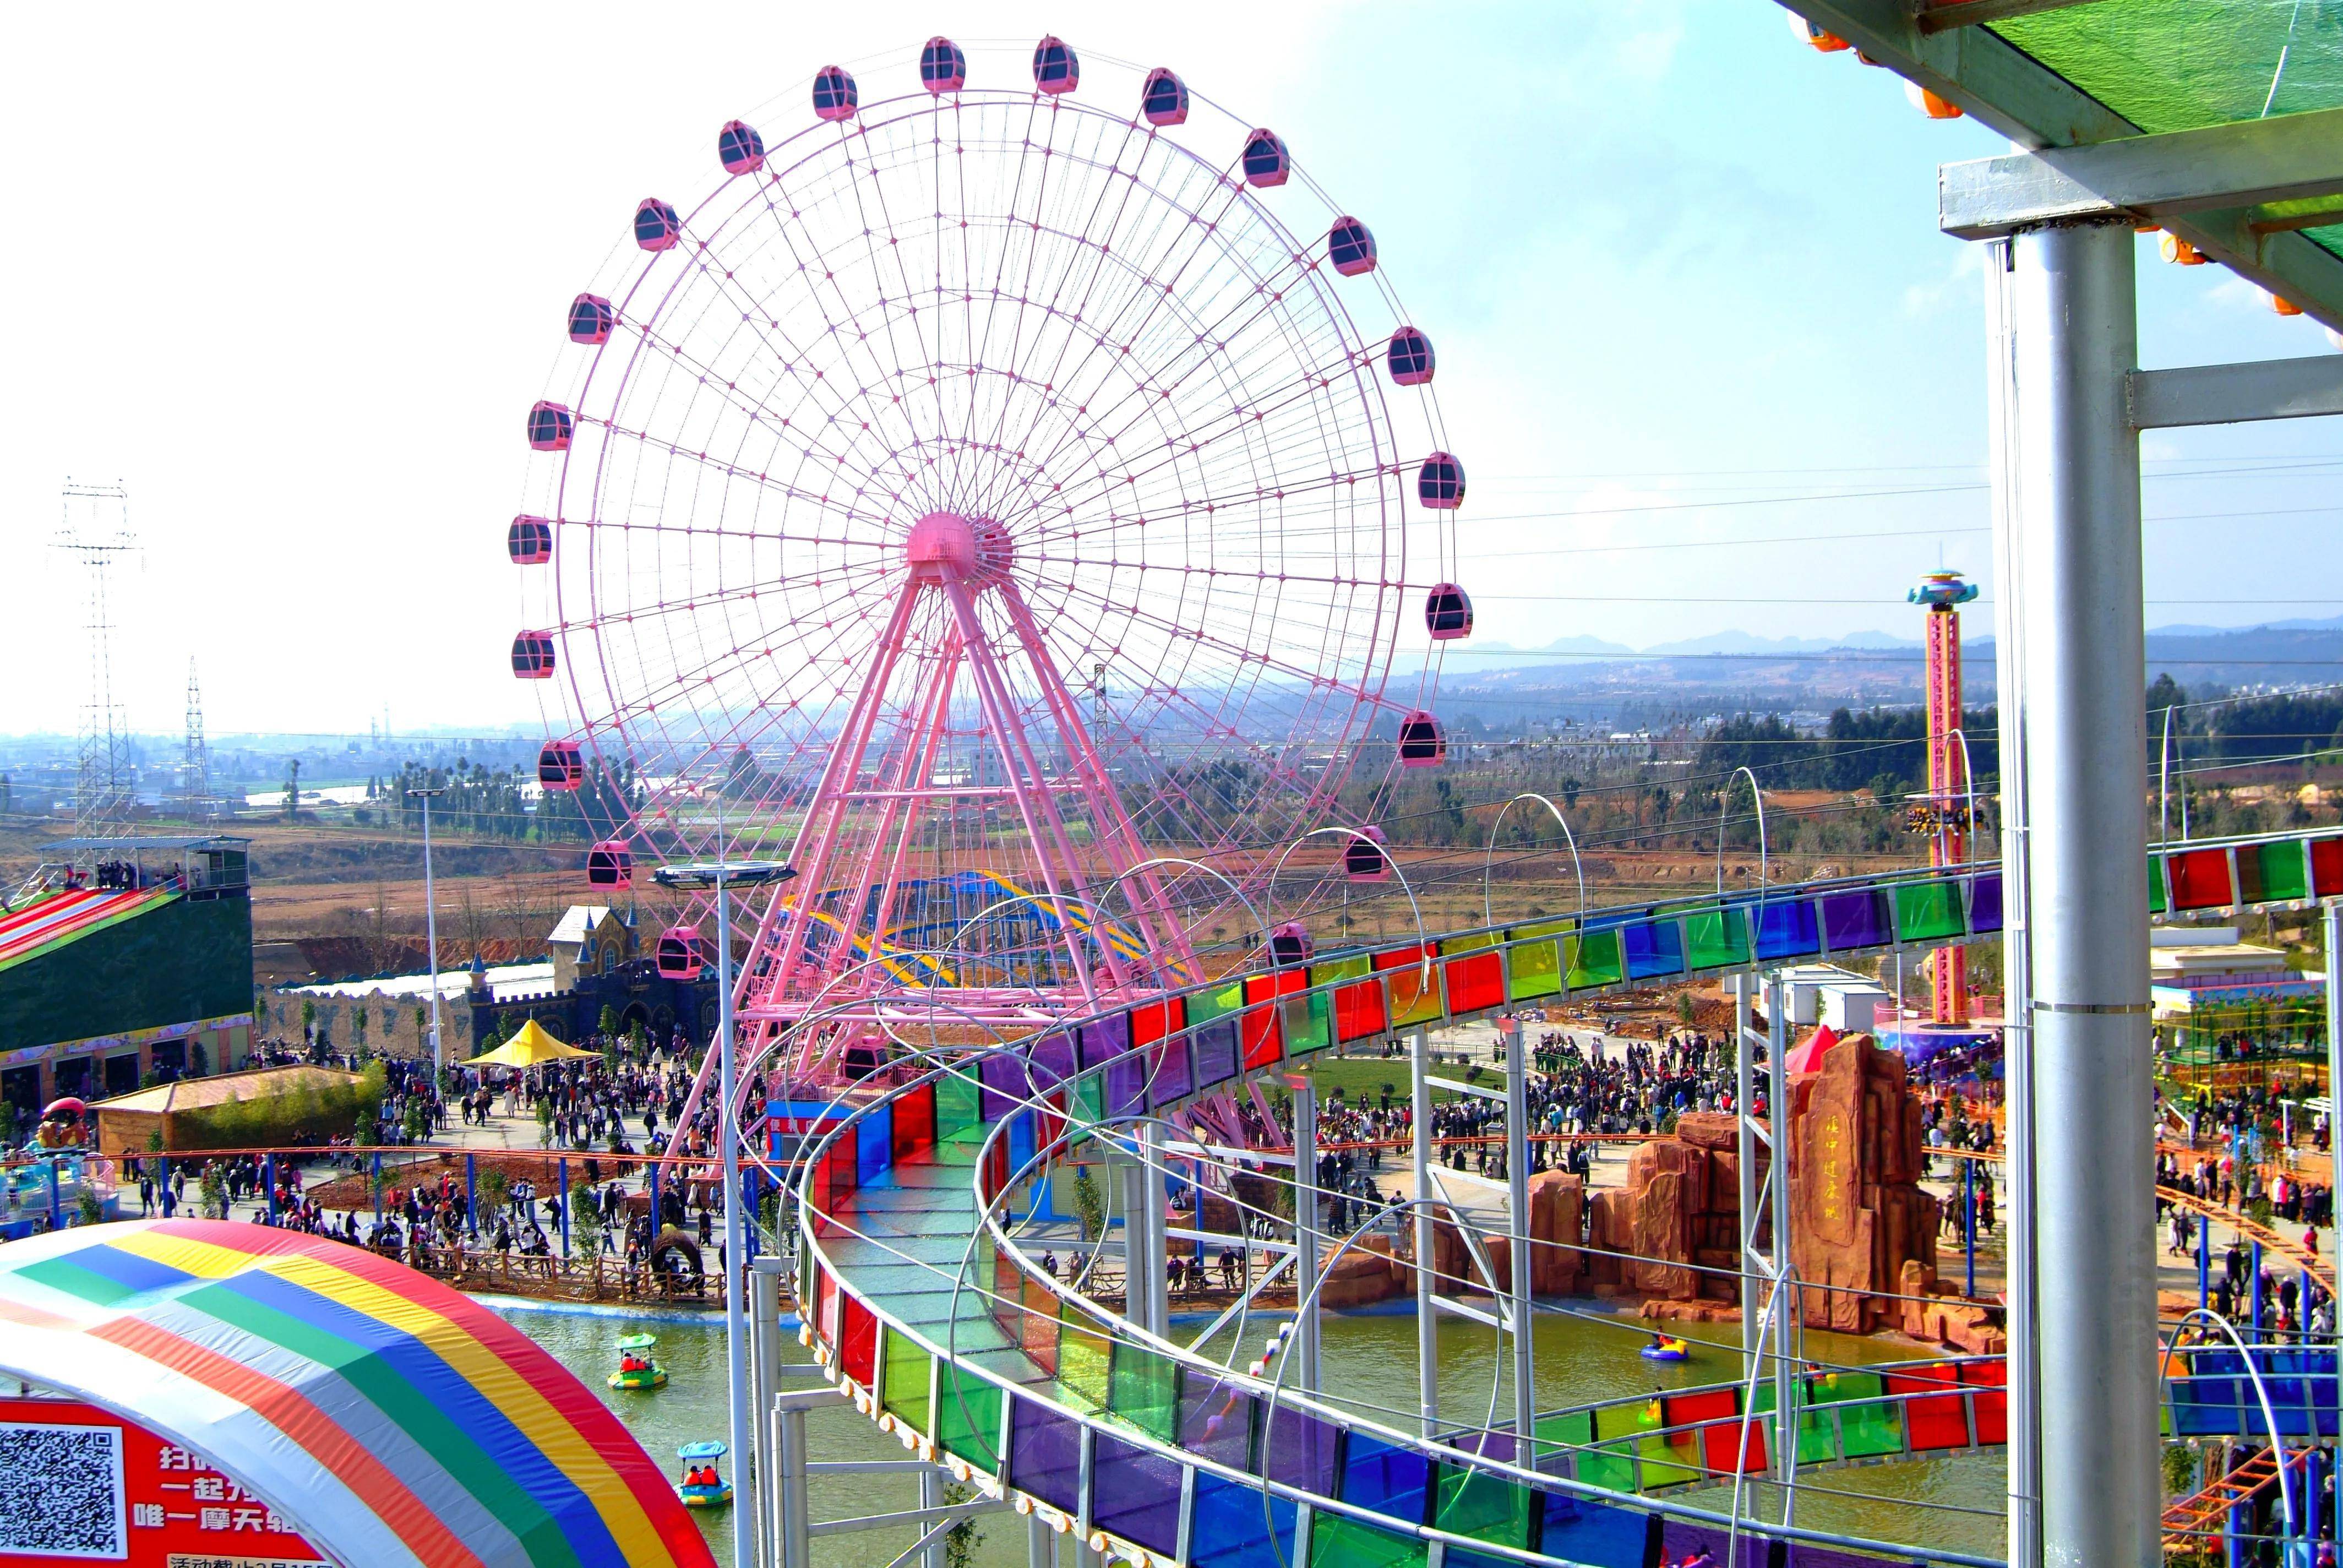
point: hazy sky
(294, 274)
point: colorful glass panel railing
(2200, 880)
(1413, 1000)
(1928, 912)
(1534, 961)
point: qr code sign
(64, 1492)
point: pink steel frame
(942, 561)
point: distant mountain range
(1731, 670)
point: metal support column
(1305, 1233)
(2069, 504)
(793, 1505)
(1789, 1319)
(1755, 1270)
(1144, 1242)
(1517, 1183)
(1427, 1311)
(754, 1475)
(931, 1496)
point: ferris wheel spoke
(757, 410)
(738, 471)
(838, 408)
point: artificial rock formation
(1678, 1214)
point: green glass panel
(1594, 959)
(1565, 1434)
(906, 1390)
(956, 1104)
(1308, 1023)
(968, 1417)
(1928, 912)
(1533, 969)
(2284, 873)
(1717, 939)
(1816, 1443)
(1869, 1427)
(1615, 1426)
(1142, 1392)
(2155, 884)
(1475, 1503)
(1357, 966)
(1204, 1006)
(1082, 1365)
(1089, 1104)
(1337, 1541)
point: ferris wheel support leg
(2062, 309)
(1034, 805)
(1113, 833)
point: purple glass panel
(1126, 1084)
(1216, 1419)
(1054, 1060)
(1173, 1077)
(1106, 1039)
(1985, 905)
(1045, 1455)
(1216, 1052)
(1135, 1493)
(1002, 1074)
(1298, 1449)
(1855, 920)
(1494, 1445)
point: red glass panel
(2200, 880)
(915, 1121)
(1475, 983)
(825, 1309)
(1992, 1408)
(860, 1354)
(1934, 1421)
(2326, 868)
(1265, 1039)
(1359, 1010)
(1157, 1019)
(1719, 1424)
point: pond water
(1952, 1503)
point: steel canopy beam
(2006, 90)
(1946, 15)
(2235, 394)
(2160, 177)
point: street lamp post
(721, 877)
(431, 927)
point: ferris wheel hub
(946, 545)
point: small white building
(1848, 1002)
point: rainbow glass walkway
(927, 1313)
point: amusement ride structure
(1010, 503)
(1010, 507)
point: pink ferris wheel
(998, 498)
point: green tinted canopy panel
(1929, 912)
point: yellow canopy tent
(529, 1047)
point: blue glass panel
(1216, 1052)
(874, 1144)
(1135, 1493)
(1855, 920)
(1652, 948)
(1236, 1525)
(1594, 1533)
(1021, 1142)
(1985, 904)
(1391, 1481)
(1787, 929)
(1298, 1451)
(1174, 1079)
